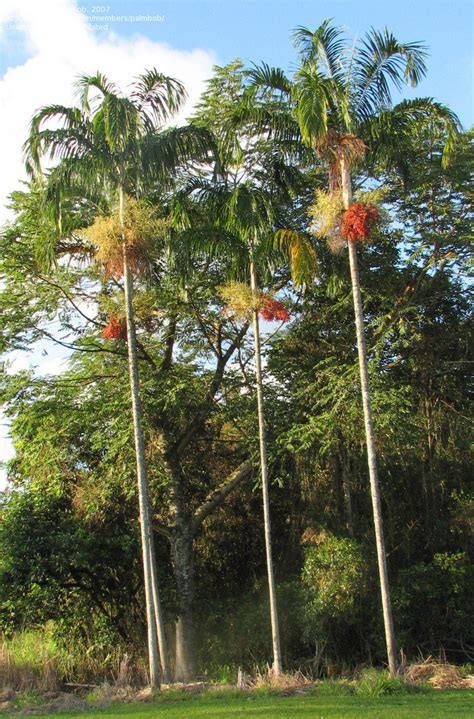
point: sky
(46, 44)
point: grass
(423, 705)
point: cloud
(57, 43)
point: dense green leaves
(69, 532)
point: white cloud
(60, 45)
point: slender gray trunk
(148, 548)
(277, 668)
(369, 433)
(160, 622)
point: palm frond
(301, 254)
(324, 48)
(163, 95)
(268, 78)
(390, 133)
(162, 153)
(248, 212)
(98, 81)
(313, 100)
(121, 121)
(78, 178)
(66, 118)
(379, 62)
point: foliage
(335, 574)
(433, 603)
(303, 260)
(69, 549)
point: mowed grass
(429, 705)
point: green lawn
(432, 705)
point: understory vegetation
(190, 237)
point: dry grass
(287, 683)
(62, 703)
(29, 666)
(439, 675)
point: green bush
(335, 573)
(434, 604)
(376, 683)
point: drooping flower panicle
(240, 302)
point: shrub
(434, 604)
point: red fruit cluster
(115, 329)
(358, 221)
(272, 310)
(114, 265)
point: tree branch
(69, 298)
(159, 527)
(218, 496)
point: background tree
(253, 183)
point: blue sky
(258, 30)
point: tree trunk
(182, 554)
(148, 548)
(347, 490)
(277, 668)
(369, 433)
(160, 622)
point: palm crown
(111, 140)
(342, 93)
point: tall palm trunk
(369, 433)
(153, 609)
(264, 472)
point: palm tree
(252, 176)
(342, 100)
(115, 145)
(243, 214)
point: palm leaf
(313, 100)
(163, 95)
(268, 78)
(301, 253)
(97, 81)
(391, 132)
(324, 48)
(162, 153)
(379, 62)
